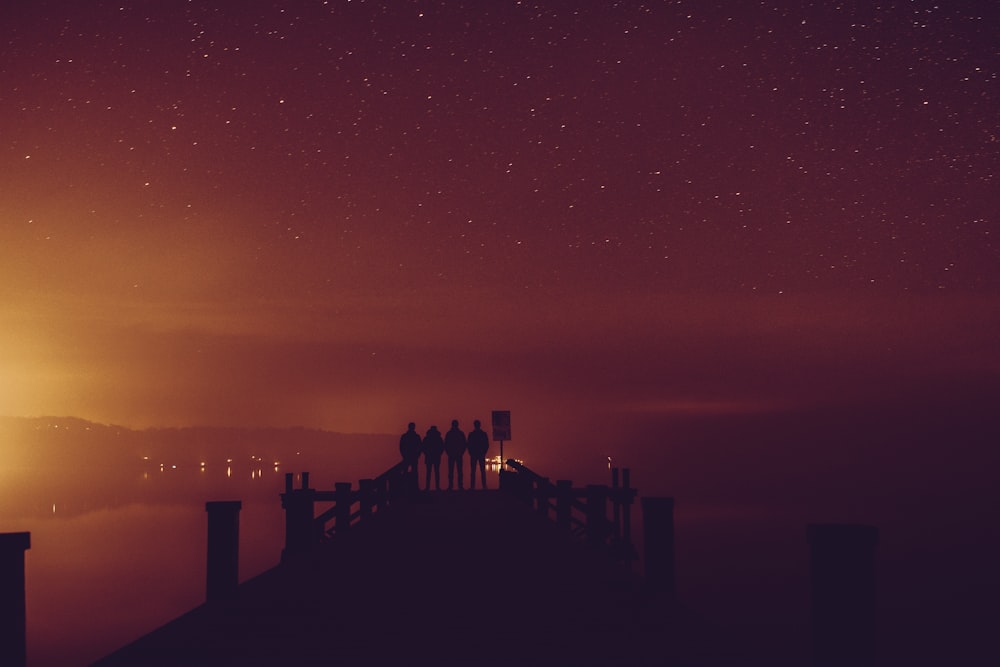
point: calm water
(118, 546)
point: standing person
(433, 448)
(454, 445)
(479, 444)
(409, 448)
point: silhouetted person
(433, 448)
(479, 444)
(409, 448)
(454, 445)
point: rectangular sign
(501, 425)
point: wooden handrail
(523, 469)
(393, 470)
(581, 510)
(590, 503)
(304, 529)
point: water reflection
(106, 568)
(255, 467)
(118, 519)
(496, 463)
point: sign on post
(501, 425)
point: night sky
(750, 249)
(599, 215)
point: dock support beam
(564, 502)
(366, 498)
(597, 514)
(403, 487)
(223, 573)
(616, 507)
(13, 619)
(343, 517)
(542, 494)
(842, 573)
(627, 512)
(300, 530)
(381, 493)
(658, 527)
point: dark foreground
(466, 578)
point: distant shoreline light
(495, 463)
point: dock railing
(583, 511)
(305, 529)
(313, 516)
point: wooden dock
(446, 578)
(532, 574)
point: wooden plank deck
(463, 578)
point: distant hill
(44, 460)
(56, 440)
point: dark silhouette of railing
(304, 529)
(583, 511)
(842, 555)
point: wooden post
(564, 502)
(616, 504)
(13, 618)
(222, 574)
(402, 486)
(842, 573)
(543, 492)
(597, 514)
(366, 493)
(381, 493)
(627, 509)
(300, 533)
(394, 486)
(343, 493)
(507, 479)
(658, 527)
(526, 488)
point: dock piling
(13, 619)
(658, 527)
(544, 491)
(627, 506)
(597, 510)
(842, 573)
(222, 577)
(343, 517)
(300, 531)
(366, 498)
(564, 502)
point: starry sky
(750, 249)
(602, 216)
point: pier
(532, 573)
(378, 573)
